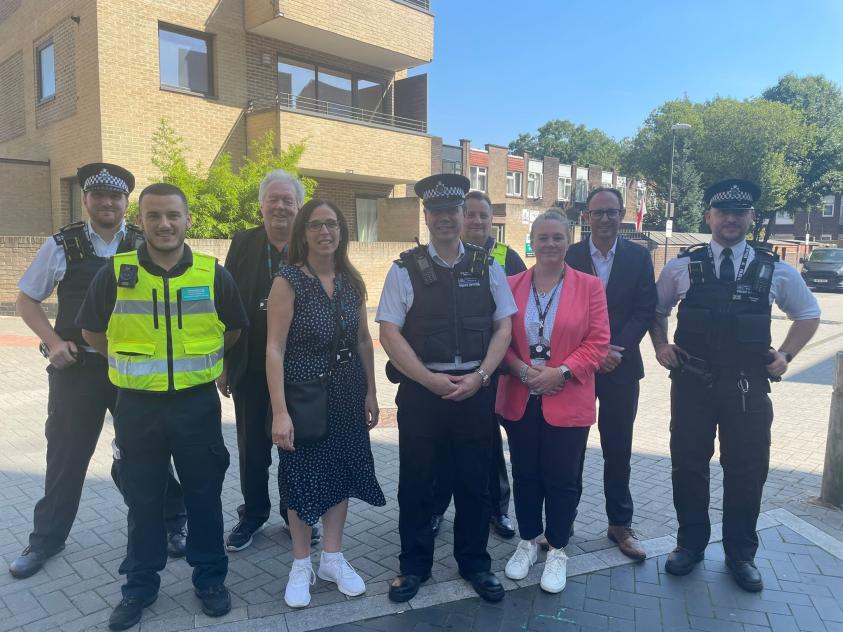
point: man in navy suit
(626, 271)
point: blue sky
(502, 67)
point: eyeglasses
(600, 213)
(316, 225)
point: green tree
(821, 104)
(222, 201)
(570, 143)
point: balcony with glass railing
(287, 101)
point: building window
(783, 218)
(46, 71)
(534, 185)
(367, 219)
(513, 183)
(369, 95)
(499, 233)
(824, 237)
(828, 206)
(606, 179)
(622, 187)
(297, 84)
(478, 178)
(451, 159)
(334, 87)
(581, 191)
(185, 59)
(640, 193)
(564, 192)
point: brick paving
(77, 589)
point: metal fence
(296, 102)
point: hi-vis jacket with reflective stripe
(164, 334)
(498, 253)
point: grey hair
(556, 216)
(279, 175)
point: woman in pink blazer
(546, 399)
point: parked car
(823, 269)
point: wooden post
(832, 486)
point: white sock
(331, 556)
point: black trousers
(428, 425)
(546, 465)
(615, 419)
(499, 491)
(254, 447)
(151, 428)
(697, 413)
(175, 514)
(78, 398)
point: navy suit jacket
(631, 297)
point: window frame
(568, 185)
(476, 178)
(210, 45)
(577, 181)
(825, 205)
(537, 181)
(516, 179)
(40, 48)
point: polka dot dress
(313, 479)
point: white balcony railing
(288, 101)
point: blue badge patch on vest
(196, 293)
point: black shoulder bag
(307, 402)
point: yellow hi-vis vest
(498, 253)
(164, 334)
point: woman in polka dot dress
(316, 481)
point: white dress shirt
(602, 265)
(397, 299)
(49, 265)
(788, 291)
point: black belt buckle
(343, 355)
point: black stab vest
(83, 263)
(452, 308)
(727, 324)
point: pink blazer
(580, 340)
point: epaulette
(692, 249)
(73, 238)
(763, 249)
(134, 238)
(405, 257)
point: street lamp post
(669, 215)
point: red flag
(642, 211)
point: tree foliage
(570, 143)
(222, 200)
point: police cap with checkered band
(732, 195)
(103, 176)
(442, 191)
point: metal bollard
(832, 486)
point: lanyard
(338, 308)
(543, 314)
(269, 260)
(742, 267)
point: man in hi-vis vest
(164, 316)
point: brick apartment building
(90, 80)
(520, 187)
(823, 224)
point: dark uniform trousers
(150, 428)
(79, 397)
(427, 426)
(697, 412)
(251, 406)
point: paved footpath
(801, 553)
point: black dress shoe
(503, 526)
(436, 523)
(746, 575)
(681, 561)
(487, 585)
(30, 562)
(177, 542)
(405, 587)
(216, 601)
(129, 611)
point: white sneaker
(297, 594)
(524, 557)
(338, 570)
(555, 571)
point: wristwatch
(44, 349)
(485, 378)
(566, 374)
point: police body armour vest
(452, 308)
(83, 263)
(164, 333)
(727, 324)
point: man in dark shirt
(163, 316)
(253, 259)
